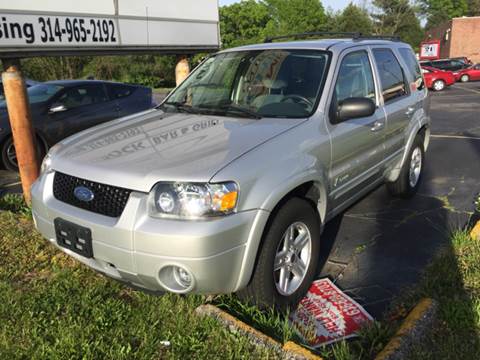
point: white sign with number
(430, 50)
(32, 26)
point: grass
(52, 307)
(453, 279)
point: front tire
(439, 85)
(411, 173)
(464, 78)
(9, 156)
(288, 259)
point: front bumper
(136, 248)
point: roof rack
(353, 35)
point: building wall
(459, 37)
(466, 38)
(439, 33)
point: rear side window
(391, 74)
(119, 91)
(412, 65)
(355, 78)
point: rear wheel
(438, 85)
(288, 258)
(464, 78)
(408, 182)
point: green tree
(294, 16)
(473, 7)
(243, 23)
(354, 19)
(439, 11)
(52, 68)
(398, 17)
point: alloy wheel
(292, 258)
(415, 167)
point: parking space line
(455, 137)
(11, 184)
(468, 89)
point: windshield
(38, 93)
(271, 83)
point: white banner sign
(107, 25)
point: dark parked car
(453, 65)
(28, 83)
(62, 108)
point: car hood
(138, 151)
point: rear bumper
(136, 248)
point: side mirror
(352, 108)
(57, 107)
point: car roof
(323, 44)
(70, 83)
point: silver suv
(226, 186)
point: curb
(290, 350)
(475, 233)
(411, 331)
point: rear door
(399, 104)
(130, 99)
(357, 144)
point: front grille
(108, 200)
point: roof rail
(353, 35)
(305, 35)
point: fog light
(182, 277)
(176, 279)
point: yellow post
(182, 69)
(20, 120)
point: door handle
(410, 111)
(377, 126)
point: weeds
(14, 203)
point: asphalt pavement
(379, 247)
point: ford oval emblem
(83, 193)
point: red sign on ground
(326, 315)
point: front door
(357, 144)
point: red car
(436, 79)
(470, 74)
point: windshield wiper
(179, 106)
(234, 108)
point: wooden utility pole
(21, 123)
(182, 69)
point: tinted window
(412, 65)
(120, 91)
(391, 74)
(83, 95)
(355, 78)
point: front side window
(271, 83)
(391, 74)
(83, 95)
(355, 78)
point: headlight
(193, 200)
(46, 164)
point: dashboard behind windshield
(270, 83)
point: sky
(334, 4)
